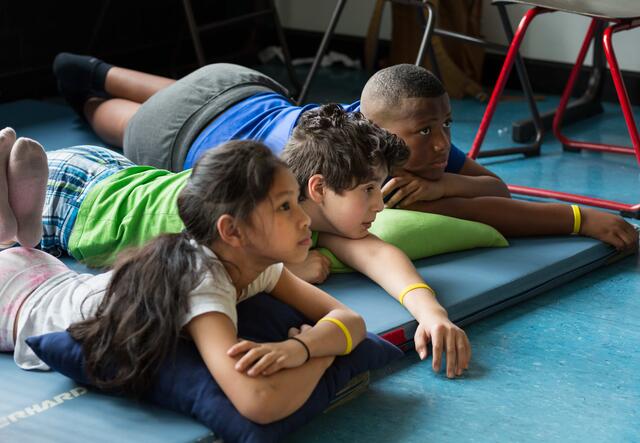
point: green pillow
(420, 235)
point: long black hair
(138, 323)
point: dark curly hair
(344, 147)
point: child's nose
(378, 202)
(441, 141)
(305, 220)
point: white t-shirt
(70, 297)
(216, 292)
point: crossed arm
(410, 188)
(269, 381)
(480, 198)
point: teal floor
(560, 367)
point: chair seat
(606, 9)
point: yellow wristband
(410, 288)
(577, 219)
(343, 328)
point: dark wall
(154, 37)
(139, 34)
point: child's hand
(608, 228)
(410, 188)
(267, 358)
(297, 331)
(445, 337)
(314, 269)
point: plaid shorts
(73, 172)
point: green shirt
(126, 209)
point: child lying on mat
(242, 218)
(168, 124)
(99, 203)
(411, 102)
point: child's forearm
(386, 265)
(511, 217)
(458, 185)
(327, 338)
(391, 268)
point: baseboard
(550, 78)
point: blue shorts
(73, 172)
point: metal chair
(195, 29)
(430, 29)
(614, 16)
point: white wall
(553, 37)
(558, 36)
(314, 15)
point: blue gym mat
(473, 284)
(470, 284)
(46, 406)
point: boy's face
(352, 212)
(424, 125)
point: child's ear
(229, 231)
(316, 188)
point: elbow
(261, 416)
(502, 188)
(354, 323)
(261, 406)
(359, 329)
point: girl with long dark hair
(242, 220)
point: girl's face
(425, 127)
(279, 229)
(351, 213)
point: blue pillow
(184, 383)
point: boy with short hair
(410, 102)
(340, 160)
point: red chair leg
(630, 210)
(620, 89)
(627, 210)
(566, 94)
(623, 97)
(502, 79)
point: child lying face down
(241, 219)
(410, 102)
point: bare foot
(27, 177)
(8, 224)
